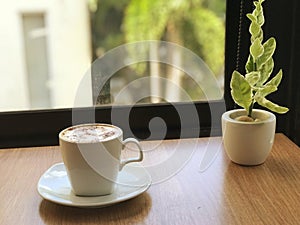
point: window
(54, 43)
(40, 127)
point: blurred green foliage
(199, 25)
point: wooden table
(225, 193)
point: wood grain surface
(224, 193)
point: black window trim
(41, 127)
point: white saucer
(54, 186)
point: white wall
(69, 51)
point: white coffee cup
(91, 154)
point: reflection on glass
(48, 47)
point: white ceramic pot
(248, 143)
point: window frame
(41, 127)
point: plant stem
(252, 102)
(254, 66)
(250, 109)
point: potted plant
(248, 133)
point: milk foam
(90, 133)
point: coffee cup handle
(130, 160)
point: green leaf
(250, 64)
(256, 49)
(269, 49)
(252, 78)
(272, 106)
(241, 90)
(260, 19)
(265, 71)
(269, 87)
(259, 36)
(275, 81)
(251, 17)
(258, 12)
(263, 92)
(254, 28)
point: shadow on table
(129, 212)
